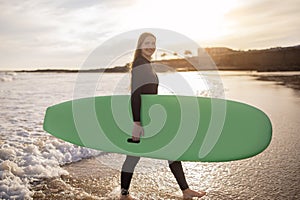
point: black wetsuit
(144, 81)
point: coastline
(125, 70)
(291, 81)
(215, 58)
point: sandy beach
(35, 165)
(89, 179)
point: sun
(197, 19)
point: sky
(40, 34)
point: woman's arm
(136, 104)
(138, 77)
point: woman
(144, 81)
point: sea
(29, 155)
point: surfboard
(184, 128)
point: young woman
(144, 81)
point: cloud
(79, 4)
(263, 24)
(45, 31)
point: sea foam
(27, 153)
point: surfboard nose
(59, 122)
(247, 131)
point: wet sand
(86, 180)
(291, 81)
(90, 180)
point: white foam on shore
(27, 153)
(27, 163)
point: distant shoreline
(182, 69)
(216, 58)
(118, 71)
(108, 70)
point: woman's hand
(137, 132)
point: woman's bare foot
(189, 194)
(126, 197)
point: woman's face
(148, 46)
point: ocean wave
(27, 153)
(25, 162)
(7, 76)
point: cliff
(274, 59)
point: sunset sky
(61, 34)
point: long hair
(138, 50)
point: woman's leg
(127, 172)
(177, 170)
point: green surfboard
(184, 128)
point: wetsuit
(144, 81)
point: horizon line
(29, 69)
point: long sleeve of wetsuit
(143, 81)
